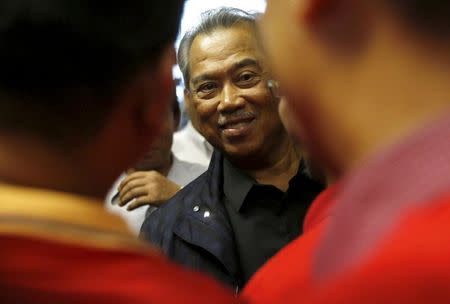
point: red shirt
(61, 248)
(411, 265)
(389, 238)
(34, 270)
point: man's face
(229, 99)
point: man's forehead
(225, 49)
(210, 70)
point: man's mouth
(237, 126)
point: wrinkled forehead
(223, 48)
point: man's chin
(240, 152)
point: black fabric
(264, 219)
(193, 228)
(186, 236)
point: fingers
(136, 183)
(138, 202)
(133, 176)
(135, 192)
(144, 200)
(146, 187)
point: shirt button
(196, 208)
(206, 214)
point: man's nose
(230, 99)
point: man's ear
(312, 11)
(341, 24)
(161, 90)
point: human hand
(146, 188)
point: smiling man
(252, 200)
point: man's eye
(246, 77)
(206, 87)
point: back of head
(63, 61)
(430, 17)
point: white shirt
(181, 173)
(191, 146)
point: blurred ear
(312, 11)
(159, 93)
(340, 24)
(136, 117)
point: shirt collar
(63, 216)
(236, 185)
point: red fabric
(321, 208)
(407, 174)
(412, 265)
(41, 271)
(290, 269)
(388, 240)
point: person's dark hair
(224, 17)
(62, 61)
(428, 16)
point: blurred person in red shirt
(368, 91)
(84, 87)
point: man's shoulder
(189, 192)
(102, 275)
(404, 270)
(410, 265)
(204, 190)
(421, 231)
(418, 232)
(163, 219)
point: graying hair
(224, 17)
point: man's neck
(280, 171)
(28, 162)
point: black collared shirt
(264, 219)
